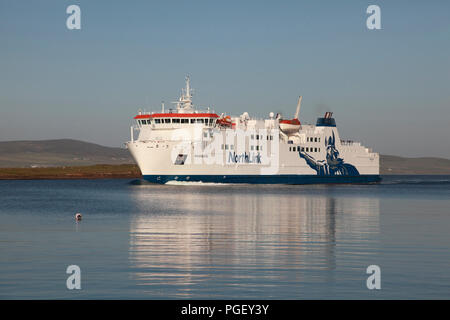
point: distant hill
(67, 152)
(400, 165)
(63, 152)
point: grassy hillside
(63, 152)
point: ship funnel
(297, 112)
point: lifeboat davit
(291, 126)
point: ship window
(149, 121)
(257, 138)
(303, 148)
(167, 120)
(271, 137)
(206, 121)
(307, 149)
(319, 141)
(175, 120)
(226, 147)
(232, 147)
(307, 139)
(315, 139)
(252, 137)
(319, 149)
(251, 147)
(157, 120)
(298, 148)
(192, 120)
(315, 149)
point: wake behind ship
(186, 144)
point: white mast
(297, 112)
(184, 103)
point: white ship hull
(249, 151)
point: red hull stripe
(177, 115)
(293, 121)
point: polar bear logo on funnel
(333, 165)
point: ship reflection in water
(251, 242)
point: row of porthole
(305, 149)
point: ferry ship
(190, 145)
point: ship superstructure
(186, 144)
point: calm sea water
(143, 241)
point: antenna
(162, 106)
(297, 112)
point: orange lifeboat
(290, 126)
(225, 122)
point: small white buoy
(78, 216)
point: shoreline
(108, 171)
(102, 171)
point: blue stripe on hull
(265, 179)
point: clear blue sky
(388, 88)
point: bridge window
(157, 120)
(166, 120)
(192, 120)
(175, 120)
